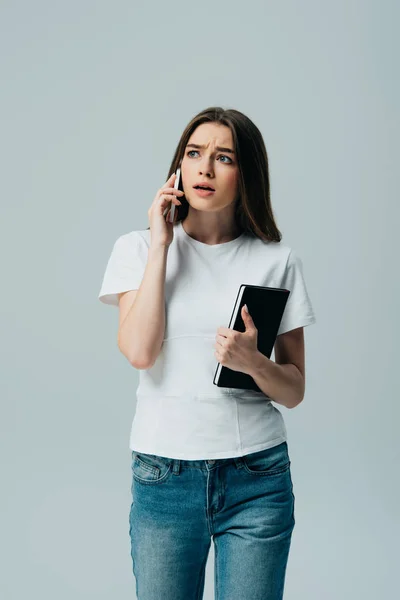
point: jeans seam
(202, 575)
(216, 590)
(268, 472)
(147, 467)
(153, 481)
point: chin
(203, 206)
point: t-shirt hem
(296, 323)
(209, 455)
(109, 295)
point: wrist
(258, 363)
(157, 249)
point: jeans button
(211, 462)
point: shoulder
(134, 235)
(287, 255)
(279, 251)
(132, 240)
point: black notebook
(266, 307)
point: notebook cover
(266, 307)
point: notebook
(266, 307)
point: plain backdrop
(94, 98)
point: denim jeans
(245, 505)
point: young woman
(209, 462)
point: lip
(204, 183)
(204, 192)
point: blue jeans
(245, 504)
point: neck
(211, 234)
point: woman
(209, 462)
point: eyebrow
(220, 148)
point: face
(206, 163)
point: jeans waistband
(177, 463)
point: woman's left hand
(237, 350)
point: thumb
(248, 321)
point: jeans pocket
(270, 461)
(150, 468)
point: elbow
(298, 400)
(294, 404)
(136, 357)
(141, 363)
(144, 362)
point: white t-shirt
(180, 412)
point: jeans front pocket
(270, 461)
(150, 468)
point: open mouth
(200, 191)
(203, 187)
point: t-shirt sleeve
(125, 268)
(298, 310)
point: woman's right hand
(161, 230)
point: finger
(225, 331)
(172, 190)
(168, 183)
(169, 198)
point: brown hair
(253, 211)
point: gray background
(94, 98)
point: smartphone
(176, 186)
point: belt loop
(176, 466)
(238, 462)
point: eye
(223, 155)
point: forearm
(284, 384)
(142, 331)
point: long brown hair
(253, 211)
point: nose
(207, 169)
(206, 166)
